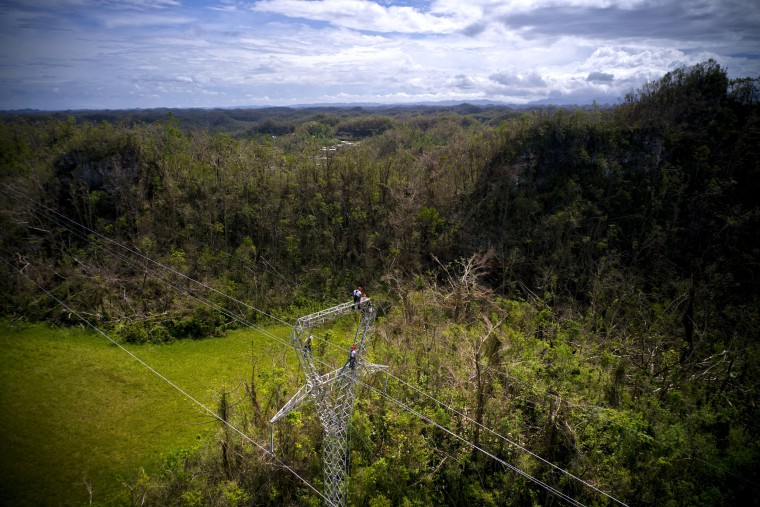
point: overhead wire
(212, 305)
(511, 442)
(508, 465)
(172, 384)
(477, 447)
(406, 407)
(502, 437)
(144, 257)
(153, 274)
(242, 321)
(175, 287)
(595, 409)
(158, 277)
(471, 444)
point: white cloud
(488, 9)
(229, 52)
(363, 15)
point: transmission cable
(175, 386)
(145, 257)
(471, 444)
(229, 314)
(515, 444)
(514, 468)
(153, 274)
(506, 439)
(226, 312)
(596, 409)
(144, 268)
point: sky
(126, 54)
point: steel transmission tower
(333, 393)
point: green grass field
(76, 409)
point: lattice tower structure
(333, 393)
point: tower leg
(335, 459)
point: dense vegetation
(584, 282)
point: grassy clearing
(75, 409)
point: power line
(226, 312)
(154, 275)
(595, 409)
(221, 309)
(145, 269)
(479, 424)
(476, 447)
(165, 379)
(145, 257)
(513, 443)
(229, 314)
(163, 266)
(514, 468)
(508, 440)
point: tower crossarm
(296, 400)
(303, 326)
(329, 314)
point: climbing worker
(307, 347)
(357, 297)
(352, 357)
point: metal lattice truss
(333, 393)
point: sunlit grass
(77, 410)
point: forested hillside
(584, 282)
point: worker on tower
(307, 347)
(352, 357)
(357, 297)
